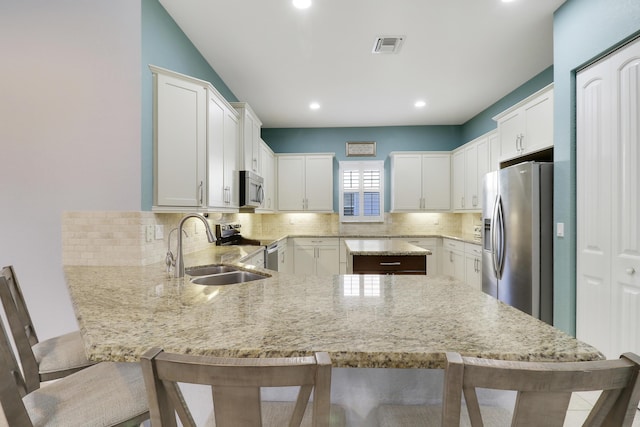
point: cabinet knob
(631, 271)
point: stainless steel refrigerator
(517, 241)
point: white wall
(69, 133)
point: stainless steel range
(229, 234)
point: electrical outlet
(159, 232)
(149, 233)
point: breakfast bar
(362, 321)
(376, 323)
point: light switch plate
(560, 229)
(159, 231)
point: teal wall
(583, 31)
(388, 139)
(165, 45)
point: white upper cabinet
(179, 140)
(471, 162)
(195, 143)
(222, 147)
(249, 138)
(420, 181)
(527, 127)
(305, 182)
(268, 163)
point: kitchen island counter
(385, 256)
(360, 320)
(383, 247)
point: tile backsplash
(121, 238)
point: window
(362, 191)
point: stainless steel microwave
(251, 190)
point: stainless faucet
(170, 259)
(179, 270)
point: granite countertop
(361, 321)
(383, 247)
(463, 237)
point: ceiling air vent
(388, 44)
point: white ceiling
(460, 56)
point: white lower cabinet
(285, 264)
(473, 265)
(316, 256)
(453, 259)
(434, 244)
(255, 259)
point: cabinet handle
(519, 144)
(391, 263)
(200, 189)
(462, 201)
(631, 271)
(450, 256)
(474, 200)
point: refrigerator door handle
(493, 234)
(500, 238)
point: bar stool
(41, 361)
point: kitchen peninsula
(360, 320)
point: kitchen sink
(229, 278)
(209, 269)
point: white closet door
(608, 203)
(593, 199)
(625, 66)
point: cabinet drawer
(389, 264)
(472, 249)
(453, 245)
(313, 241)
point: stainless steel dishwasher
(272, 256)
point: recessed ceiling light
(420, 104)
(314, 105)
(302, 4)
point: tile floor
(579, 407)
(581, 404)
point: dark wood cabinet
(390, 264)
